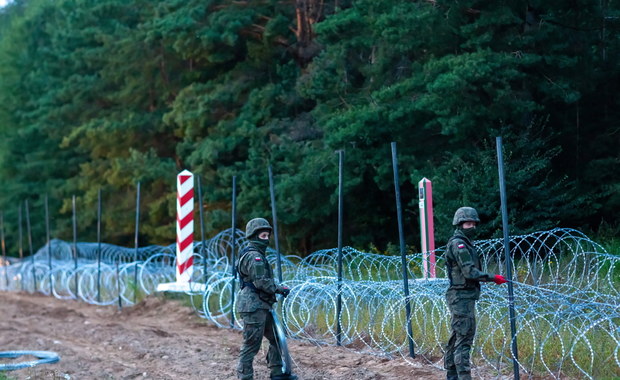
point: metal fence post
(20, 239)
(135, 241)
(49, 243)
(340, 215)
(403, 253)
(202, 229)
(233, 249)
(2, 242)
(511, 305)
(275, 224)
(75, 252)
(99, 245)
(29, 231)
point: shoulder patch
(258, 259)
(461, 246)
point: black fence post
(135, 241)
(511, 303)
(118, 285)
(3, 244)
(403, 253)
(340, 215)
(99, 245)
(29, 231)
(49, 243)
(234, 250)
(202, 229)
(20, 233)
(275, 224)
(75, 252)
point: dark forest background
(101, 94)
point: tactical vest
(455, 275)
(244, 279)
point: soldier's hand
(499, 279)
(284, 291)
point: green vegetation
(609, 237)
(557, 348)
(101, 94)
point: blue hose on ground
(43, 356)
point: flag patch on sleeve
(258, 259)
(461, 246)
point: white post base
(182, 287)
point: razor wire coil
(567, 298)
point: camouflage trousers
(256, 325)
(463, 322)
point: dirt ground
(160, 339)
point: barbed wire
(567, 298)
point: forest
(98, 95)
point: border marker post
(427, 227)
(185, 236)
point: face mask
(261, 244)
(470, 232)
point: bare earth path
(160, 339)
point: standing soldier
(258, 294)
(465, 275)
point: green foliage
(104, 94)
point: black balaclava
(260, 244)
(470, 233)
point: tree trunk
(308, 13)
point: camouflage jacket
(256, 277)
(463, 266)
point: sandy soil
(161, 339)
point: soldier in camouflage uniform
(465, 275)
(258, 294)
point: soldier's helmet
(465, 214)
(256, 225)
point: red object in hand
(499, 279)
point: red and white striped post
(427, 228)
(185, 237)
(185, 226)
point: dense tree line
(101, 94)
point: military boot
(284, 377)
(452, 375)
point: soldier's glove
(284, 291)
(499, 279)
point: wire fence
(567, 297)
